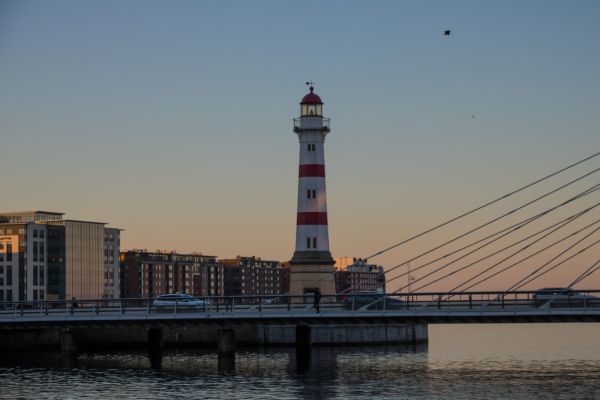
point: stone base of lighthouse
(305, 279)
(311, 270)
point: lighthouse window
(314, 243)
(311, 194)
(308, 243)
(311, 109)
(311, 147)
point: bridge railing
(353, 302)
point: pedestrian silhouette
(317, 304)
(74, 302)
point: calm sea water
(537, 361)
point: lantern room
(311, 105)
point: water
(535, 361)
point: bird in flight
(447, 33)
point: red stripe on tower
(311, 218)
(312, 170)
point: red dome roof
(311, 98)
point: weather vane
(311, 83)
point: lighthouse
(312, 264)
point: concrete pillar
(303, 336)
(226, 342)
(226, 350)
(155, 347)
(68, 342)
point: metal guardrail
(352, 303)
(326, 127)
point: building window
(311, 243)
(35, 251)
(35, 274)
(35, 233)
(42, 251)
(42, 275)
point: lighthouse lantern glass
(311, 110)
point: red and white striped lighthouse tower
(312, 264)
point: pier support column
(303, 348)
(226, 350)
(226, 342)
(155, 347)
(68, 342)
(303, 337)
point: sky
(173, 119)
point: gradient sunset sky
(173, 119)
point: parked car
(563, 297)
(374, 301)
(182, 301)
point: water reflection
(460, 363)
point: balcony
(312, 123)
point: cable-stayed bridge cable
(584, 193)
(565, 221)
(480, 207)
(530, 256)
(527, 220)
(525, 280)
(561, 224)
(593, 268)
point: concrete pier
(226, 350)
(68, 342)
(226, 342)
(72, 340)
(155, 347)
(303, 337)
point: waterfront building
(253, 276)
(312, 264)
(112, 272)
(22, 261)
(147, 274)
(354, 275)
(52, 258)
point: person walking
(317, 304)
